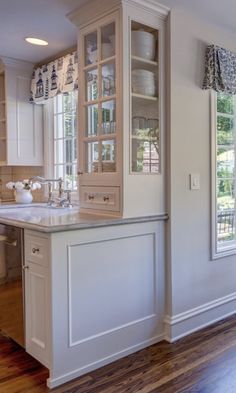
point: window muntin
(225, 176)
(65, 139)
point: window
(224, 177)
(65, 139)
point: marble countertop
(41, 218)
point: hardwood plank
(204, 362)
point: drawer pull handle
(106, 198)
(79, 173)
(25, 267)
(34, 250)
(91, 197)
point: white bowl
(107, 50)
(143, 44)
(140, 73)
(144, 90)
(93, 56)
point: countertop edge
(85, 225)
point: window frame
(229, 247)
(49, 144)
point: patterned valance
(59, 76)
(220, 70)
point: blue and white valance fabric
(59, 76)
(220, 70)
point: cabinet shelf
(144, 138)
(101, 137)
(143, 97)
(101, 99)
(140, 60)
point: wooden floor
(204, 362)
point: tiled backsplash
(15, 173)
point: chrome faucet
(60, 200)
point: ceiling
(46, 19)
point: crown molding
(150, 5)
(15, 63)
(82, 15)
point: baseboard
(54, 382)
(197, 318)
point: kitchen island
(94, 286)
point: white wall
(196, 280)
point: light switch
(194, 181)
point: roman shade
(58, 76)
(220, 70)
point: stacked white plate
(143, 44)
(143, 82)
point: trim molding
(19, 64)
(73, 343)
(54, 382)
(192, 320)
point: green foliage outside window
(225, 133)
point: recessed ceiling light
(36, 41)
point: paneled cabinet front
(99, 106)
(37, 298)
(21, 123)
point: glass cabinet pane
(108, 80)
(108, 41)
(91, 78)
(91, 157)
(108, 156)
(99, 119)
(108, 117)
(145, 146)
(91, 120)
(91, 48)
(145, 156)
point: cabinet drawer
(36, 250)
(100, 198)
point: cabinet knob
(25, 267)
(91, 197)
(34, 250)
(106, 198)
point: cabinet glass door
(145, 122)
(99, 137)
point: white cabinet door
(36, 311)
(24, 120)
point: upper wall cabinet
(21, 123)
(122, 106)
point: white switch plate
(194, 181)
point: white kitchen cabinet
(37, 297)
(122, 106)
(21, 122)
(93, 295)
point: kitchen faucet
(62, 201)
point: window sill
(223, 252)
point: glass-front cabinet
(121, 106)
(99, 133)
(145, 148)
